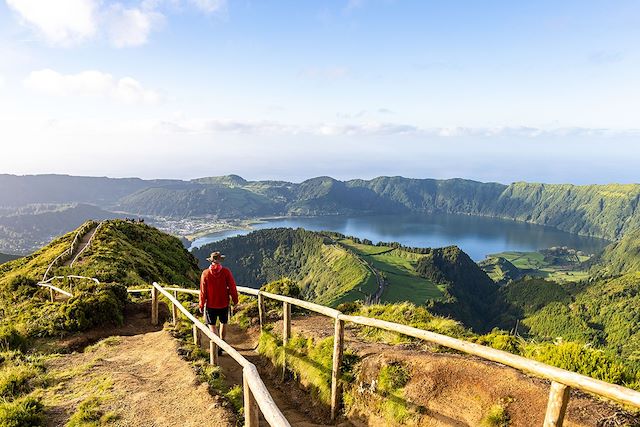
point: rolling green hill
(607, 211)
(500, 269)
(331, 268)
(190, 199)
(619, 257)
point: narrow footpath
(84, 241)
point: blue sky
(497, 91)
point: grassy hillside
(604, 313)
(558, 264)
(191, 199)
(398, 270)
(500, 269)
(121, 253)
(325, 272)
(332, 268)
(619, 257)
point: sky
(504, 91)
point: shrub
(393, 377)
(21, 287)
(500, 340)
(24, 412)
(16, 380)
(582, 359)
(11, 338)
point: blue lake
(477, 236)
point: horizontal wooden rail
(572, 379)
(259, 391)
(561, 379)
(55, 288)
(329, 312)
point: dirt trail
(140, 378)
(84, 241)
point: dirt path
(84, 241)
(139, 380)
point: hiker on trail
(216, 288)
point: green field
(534, 264)
(398, 267)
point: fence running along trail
(257, 397)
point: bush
(500, 340)
(582, 359)
(24, 412)
(11, 338)
(392, 377)
(22, 287)
(16, 380)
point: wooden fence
(561, 380)
(257, 396)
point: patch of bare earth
(448, 389)
(140, 379)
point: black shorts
(213, 314)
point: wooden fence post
(213, 353)
(338, 350)
(261, 312)
(154, 306)
(557, 405)
(250, 404)
(174, 310)
(196, 335)
(286, 334)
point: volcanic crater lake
(477, 236)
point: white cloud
(131, 26)
(70, 22)
(90, 84)
(62, 22)
(209, 6)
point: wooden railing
(561, 379)
(88, 244)
(64, 256)
(256, 396)
(52, 289)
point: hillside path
(140, 378)
(84, 241)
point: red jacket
(216, 286)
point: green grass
(497, 416)
(534, 264)
(24, 412)
(310, 361)
(399, 269)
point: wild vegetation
(122, 253)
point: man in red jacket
(216, 287)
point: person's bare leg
(213, 329)
(223, 331)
